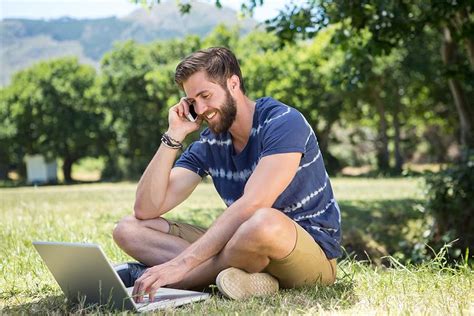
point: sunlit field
(383, 209)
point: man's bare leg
(148, 240)
(268, 234)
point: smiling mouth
(209, 116)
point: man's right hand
(179, 125)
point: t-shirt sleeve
(193, 158)
(285, 132)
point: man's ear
(233, 83)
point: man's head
(212, 81)
(218, 63)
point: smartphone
(192, 116)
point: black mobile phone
(192, 116)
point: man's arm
(161, 188)
(267, 182)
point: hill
(24, 41)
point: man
(281, 227)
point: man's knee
(265, 227)
(125, 230)
(267, 224)
(129, 230)
(258, 239)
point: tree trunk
(323, 139)
(332, 164)
(4, 159)
(462, 18)
(469, 44)
(381, 144)
(67, 169)
(461, 107)
(397, 149)
(3, 171)
(466, 118)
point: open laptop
(86, 276)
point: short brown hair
(219, 63)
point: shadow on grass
(8, 184)
(48, 305)
(57, 304)
(305, 300)
(380, 228)
(310, 299)
(339, 296)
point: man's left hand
(155, 277)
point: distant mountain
(24, 42)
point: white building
(39, 171)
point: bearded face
(227, 112)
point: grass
(380, 217)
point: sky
(50, 9)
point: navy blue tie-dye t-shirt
(277, 128)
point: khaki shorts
(306, 263)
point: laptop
(86, 276)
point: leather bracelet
(172, 139)
(169, 142)
(171, 147)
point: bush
(449, 201)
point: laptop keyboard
(146, 299)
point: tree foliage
(449, 200)
(342, 79)
(378, 27)
(50, 113)
(136, 86)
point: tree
(392, 24)
(384, 26)
(223, 36)
(378, 27)
(136, 87)
(52, 114)
(7, 132)
(305, 76)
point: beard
(227, 112)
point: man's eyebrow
(198, 94)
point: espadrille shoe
(238, 284)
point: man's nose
(200, 107)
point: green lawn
(380, 217)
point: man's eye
(205, 96)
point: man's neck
(240, 129)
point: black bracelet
(170, 142)
(177, 142)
